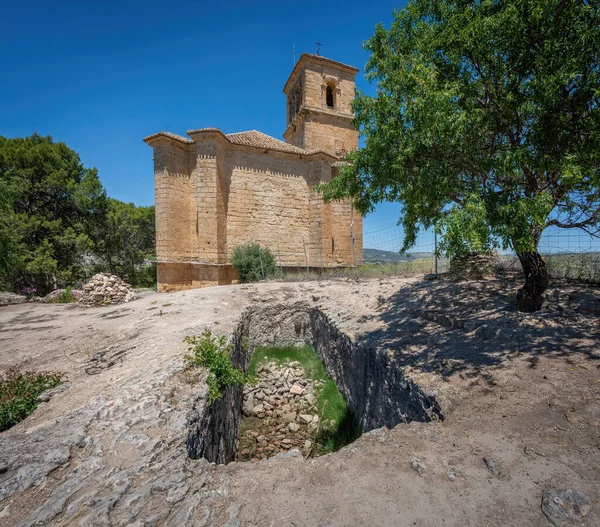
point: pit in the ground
(292, 403)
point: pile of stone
(106, 289)
(280, 412)
(472, 266)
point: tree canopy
(128, 242)
(485, 106)
(50, 199)
(57, 225)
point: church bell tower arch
(319, 93)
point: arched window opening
(329, 97)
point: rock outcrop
(106, 289)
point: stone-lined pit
(374, 386)
(281, 410)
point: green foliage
(246, 260)
(66, 296)
(214, 354)
(19, 392)
(125, 244)
(466, 230)
(57, 226)
(48, 200)
(10, 254)
(494, 100)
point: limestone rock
(296, 390)
(493, 466)
(418, 465)
(11, 298)
(293, 427)
(310, 399)
(565, 507)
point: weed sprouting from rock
(214, 354)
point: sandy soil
(520, 390)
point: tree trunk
(530, 296)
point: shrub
(246, 260)
(214, 354)
(66, 296)
(19, 393)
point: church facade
(215, 191)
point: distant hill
(378, 256)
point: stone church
(215, 191)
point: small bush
(29, 292)
(246, 260)
(19, 393)
(214, 354)
(66, 296)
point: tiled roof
(260, 140)
(170, 135)
(252, 138)
(207, 129)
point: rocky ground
(520, 394)
(280, 412)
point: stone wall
(178, 276)
(317, 76)
(326, 131)
(472, 266)
(268, 203)
(174, 199)
(236, 195)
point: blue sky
(102, 75)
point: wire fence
(569, 253)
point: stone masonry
(215, 191)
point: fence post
(353, 252)
(279, 253)
(262, 269)
(435, 250)
(305, 257)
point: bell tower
(318, 96)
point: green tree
(486, 98)
(125, 242)
(10, 250)
(48, 204)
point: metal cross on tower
(318, 43)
